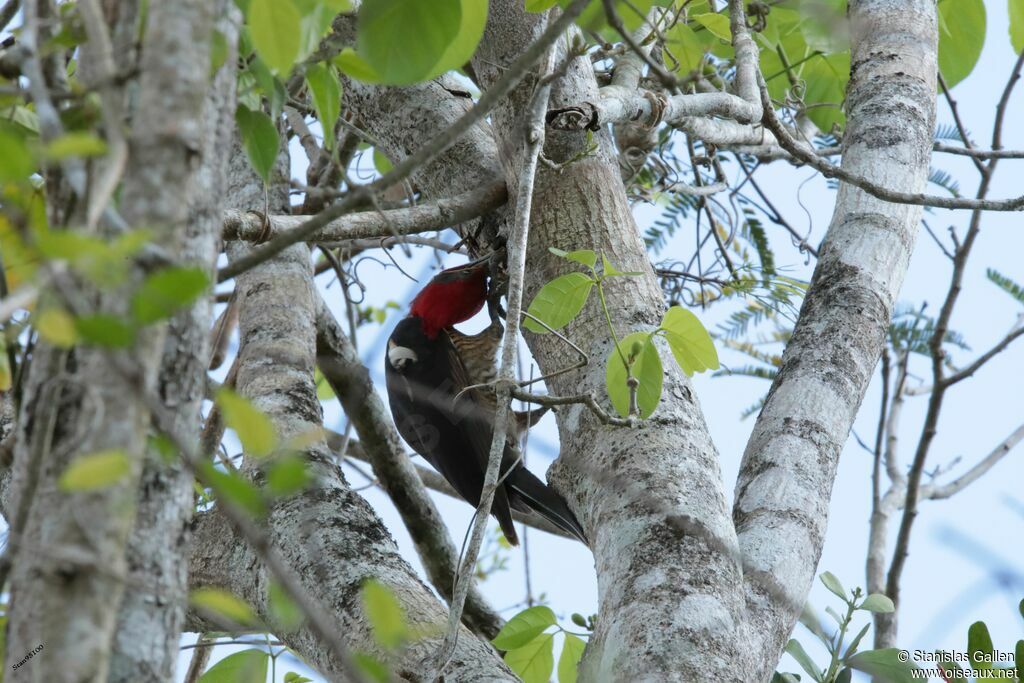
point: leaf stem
(833, 666)
(608, 319)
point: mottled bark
(790, 462)
(328, 533)
(69, 574)
(153, 611)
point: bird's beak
(401, 356)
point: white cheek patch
(400, 355)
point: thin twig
(806, 154)
(999, 347)
(961, 129)
(587, 400)
(934, 492)
(979, 153)
(509, 345)
(200, 658)
(391, 223)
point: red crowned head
(452, 296)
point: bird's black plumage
(451, 426)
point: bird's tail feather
(542, 499)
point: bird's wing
(473, 410)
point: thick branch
(152, 612)
(937, 492)
(444, 213)
(789, 464)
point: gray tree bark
(70, 574)
(790, 462)
(328, 534)
(689, 589)
(152, 613)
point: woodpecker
(431, 370)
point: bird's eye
(400, 356)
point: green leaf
(569, 660)
(785, 678)
(223, 604)
(856, 641)
(95, 471)
(385, 29)
(834, 585)
(324, 392)
(385, 614)
(373, 669)
(471, 30)
(540, 5)
(285, 613)
(823, 25)
(233, 488)
(286, 475)
(218, 51)
(961, 37)
(885, 664)
(325, 88)
(24, 118)
(78, 144)
(559, 302)
(609, 270)
(1014, 289)
(103, 329)
(645, 363)
(689, 341)
(351, 64)
(585, 257)
(718, 24)
(979, 645)
(254, 429)
(796, 650)
(524, 627)
(826, 77)
(534, 661)
(57, 327)
(381, 161)
(15, 159)
(876, 602)
(292, 677)
(1018, 658)
(269, 84)
(167, 291)
(1016, 8)
(274, 27)
(241, 667)
(688, 47)
(260, 139)
(6, 380)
